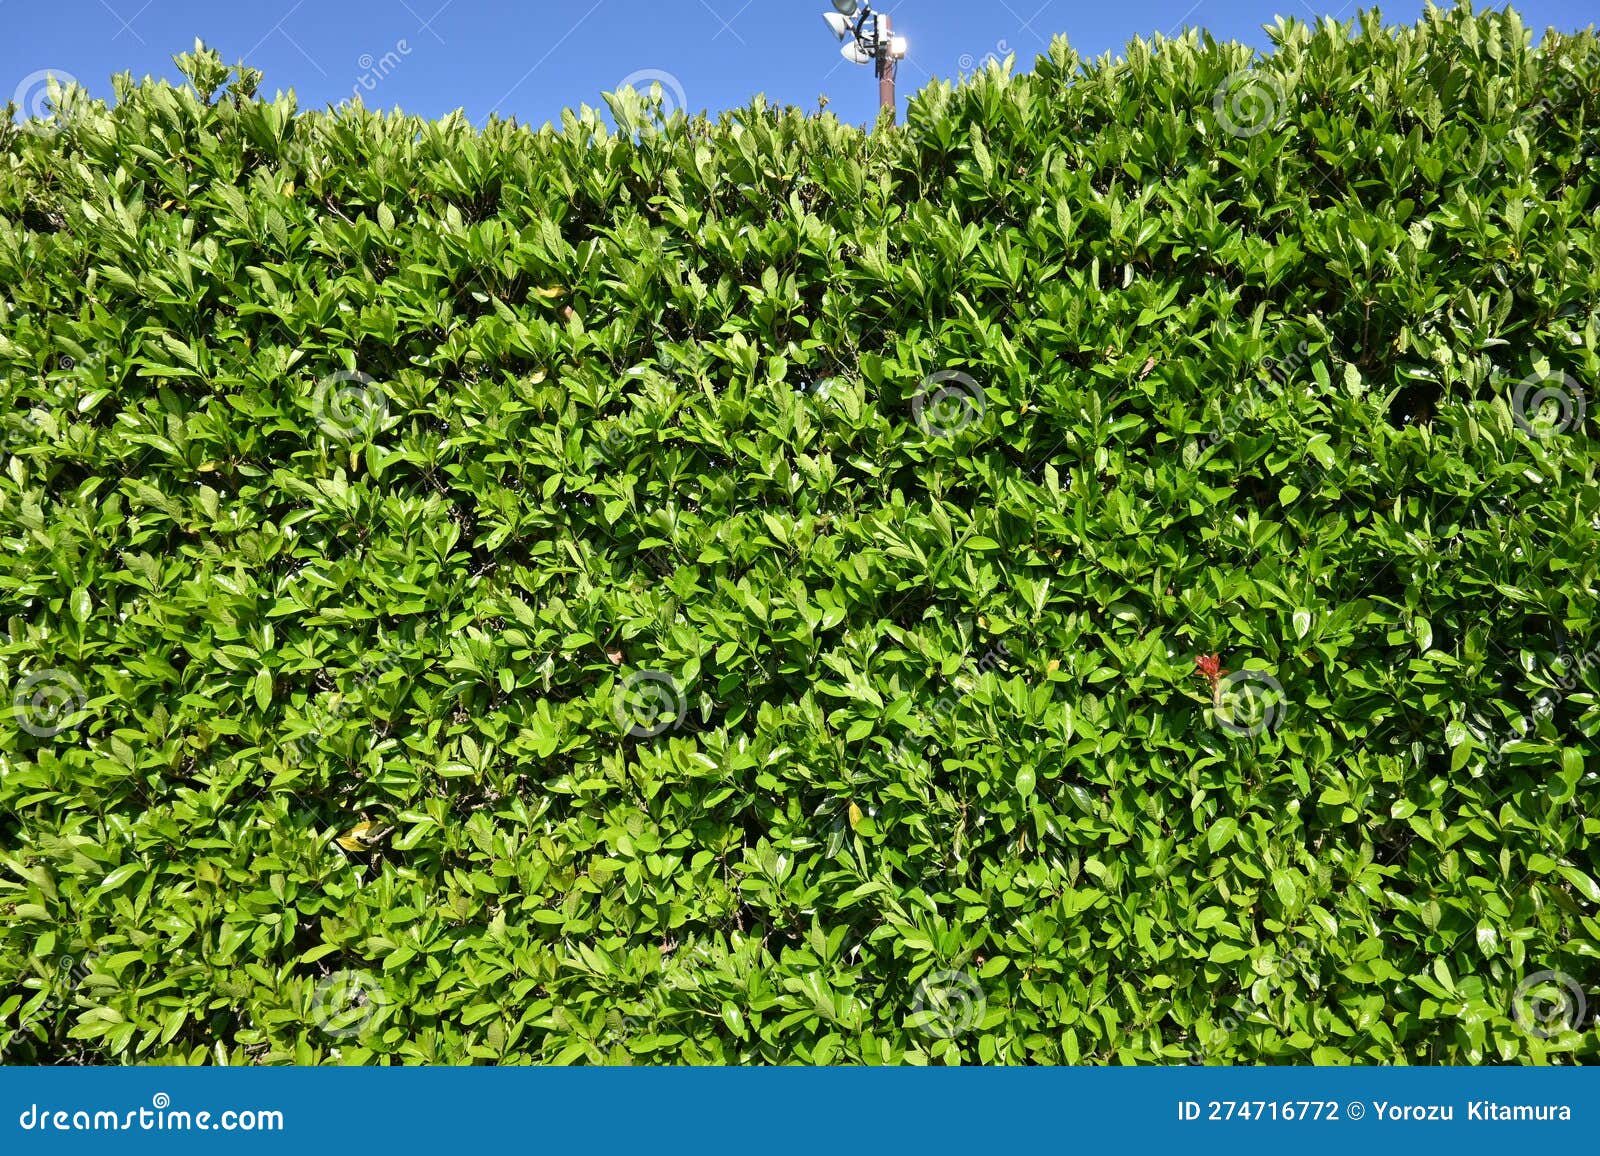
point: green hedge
(1103, 572)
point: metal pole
(887, 66)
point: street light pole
(871, 40)
(888, 66)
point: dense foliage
(1103, 572)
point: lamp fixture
(867, 38)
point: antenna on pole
(871, 41)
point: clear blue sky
(532, 59)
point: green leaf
(263, 689)
(1586, 886)
(117, 877)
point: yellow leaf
(855, 816)
(362, 836)
(548, 294)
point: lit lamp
(871, 41)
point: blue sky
(530, 60)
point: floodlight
(867, 37)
